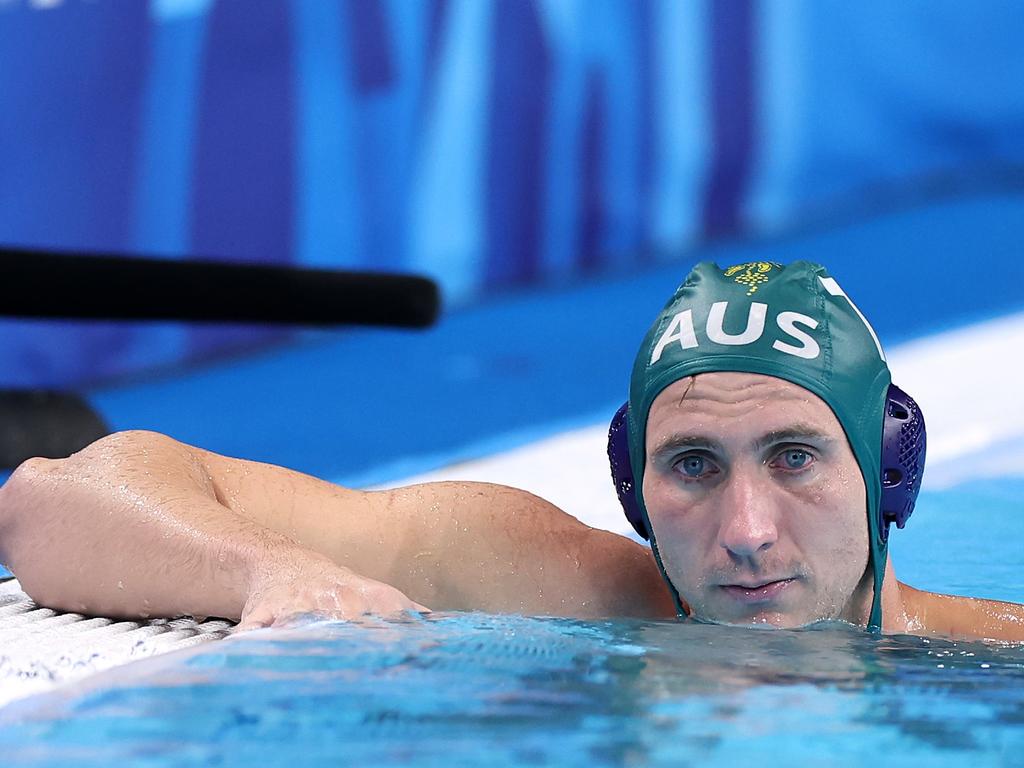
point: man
(756, 465)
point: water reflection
(475, 688)
(940, 693)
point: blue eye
(796, 459)
(692, 466)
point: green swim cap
(793, 322)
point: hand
(319, 586)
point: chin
(759, 620)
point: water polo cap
(793, 322)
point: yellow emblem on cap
(752, 274)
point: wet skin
(754, 495)
(757, 502)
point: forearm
(132, 526)
(138, 524)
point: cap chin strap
(878, 572)
(904, 449)
(622, 476)
(681, 610)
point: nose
(748, 522)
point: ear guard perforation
(904, 444)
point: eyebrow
(797, 433)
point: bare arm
(134, 526)
(967, 618)
(139, 524)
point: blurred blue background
(495, 145)
(557, 165)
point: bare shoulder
(503, 549)
(968, 618)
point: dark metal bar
(39, 284)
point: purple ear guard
(622, 470)
(903, 452)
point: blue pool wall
(498, 146)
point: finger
(302, 618)
(395, 607)
(255, 618)
(247, 626)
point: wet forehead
(730, 405)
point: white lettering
(681, 330)
(753, 331)
(787, 324)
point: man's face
(757, 502)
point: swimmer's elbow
(29, 479)
(117, 455)
(42, 495)
(21, 501)
(27, 475)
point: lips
(758, 592)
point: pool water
(477, 689)
(966, 540)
